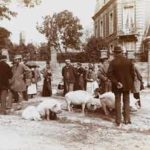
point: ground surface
(72, 131)
(18, 134)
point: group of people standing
(20, 79)
(120, 76)
(77, 77)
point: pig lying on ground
(49, 108)
(108, 102)
(82, 98)
(31, 113)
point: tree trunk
(49, 50)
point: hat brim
(119, 51)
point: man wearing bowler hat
(121, 74)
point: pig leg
(83, 108)
(68, 106)
(105, 109)
(47, 112)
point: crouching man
(5, 75)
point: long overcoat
(121, 70)
(5, 75)
(18, 81)
(138, 82)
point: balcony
(127, 35)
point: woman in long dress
(47, 90)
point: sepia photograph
(74, 74)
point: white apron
(32, 89)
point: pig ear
(55, 106)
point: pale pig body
(31, 113)
(47, 106)
(108, 101)
(80, 97)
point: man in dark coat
(81, 80)
(121, 74)
(68, 73)
(105, 84)
(5, 75)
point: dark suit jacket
(5, 75)
(121, 70)
(68, 72)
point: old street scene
(74, 75)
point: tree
(93, 47)
(69, 30)
(6, 13)
(62, 30)
(4, 36)
(49, 29)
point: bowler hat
(117, 49)
(18, 57)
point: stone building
(123, 22)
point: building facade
(123, 22)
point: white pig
(48, 106)
(108, 101)
(94, 104)
(79, 98)
(31, 113)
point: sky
(27, 18)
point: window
(101, 28)
(128, 18)
(111, 24)
(96, 29)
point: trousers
(3, 96)
(126, 106)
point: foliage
(93, 47)
(62, 30)
(74, 57)
(4, 35)
(31, 3)
(69, 29)
(6, 13)
(42, 51)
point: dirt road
(19, 134)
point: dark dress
(47, 90)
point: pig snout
(94, 104)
